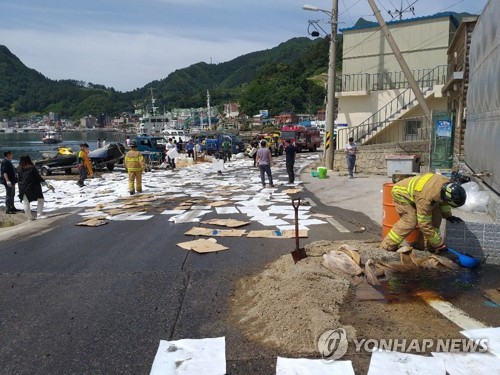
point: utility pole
(330, 98)
(330, 101)
(402, 63)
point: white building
(375, 99)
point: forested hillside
(276, 79)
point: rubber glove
(440, 248)
(454, 220)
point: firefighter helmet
(453, 194)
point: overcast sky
(126, 44)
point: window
(412, 127)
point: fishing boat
(51, 137)
(152, 122)
(177, 134)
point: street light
(311, 8)
(330, 104)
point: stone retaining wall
(371, 159)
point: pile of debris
(348, 260)
(288, 306)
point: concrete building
(231, 110)
(457, 83)
(375, 99)
(88, 122)
(479, 235)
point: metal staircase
(397, 107)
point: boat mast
(209, 111)
(153, 101)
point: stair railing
(383, 116)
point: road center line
(454, 314)
(311, 202)
(337, 225)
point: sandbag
(352, 252)
(371, 277)
(337, 260)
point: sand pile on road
(289, 305)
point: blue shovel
(465, 260)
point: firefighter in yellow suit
(134, 162)
(424, 200)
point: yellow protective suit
(418, 201)
(88, 164)
(134, 162)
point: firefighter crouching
(424, 200)
(134, 162)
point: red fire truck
(305, 137)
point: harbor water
(31, 144)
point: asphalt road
(77, 300)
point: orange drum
(390, 215)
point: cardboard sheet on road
(493, 295)
(219, 203)
(201, 246)
(289, 233)
(197, 231)
(292, 191)
(230, 223)
(94, 222)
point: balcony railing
(388, 80)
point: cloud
(126, 44)
(122, 61)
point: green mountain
(24, 91)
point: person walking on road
(134, 162)
(264, 160)
(253, 151)
(291, 153)
(9, 178)
(351, 149)
(190, 149)
(30, 187)
(83, 162)
(424, 200)
(170, 147)
(226, 150)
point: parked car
(214, 144)
(153, 148)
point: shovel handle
(296, 200)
